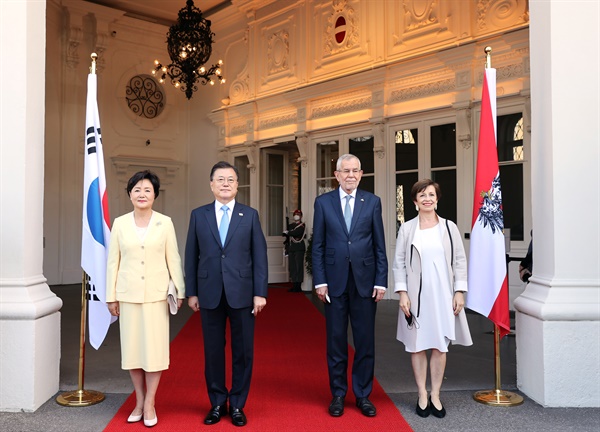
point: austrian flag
(488, 284)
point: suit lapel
(336, 205)
(236, 217)
(211, 220)
(359, 205)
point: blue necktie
(224, 225)
(348, 212)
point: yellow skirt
(144, 336)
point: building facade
(396, 83)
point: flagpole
(81, 397)
(496, 397)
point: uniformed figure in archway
(296, 231)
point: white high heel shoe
(134, 418)
(151, 422)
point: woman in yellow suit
(142, 256)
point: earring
(416, 207)
(435, 208)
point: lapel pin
(362, 199)
(240, 214)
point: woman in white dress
(142, 255)
(430, 273)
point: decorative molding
(124, 164)
(302, 144)
(423, 90)
(278, 52)
(414, 19)
(501, 13)
(511, 71)
(239, 90)
(251, 151)
(277, 121)
(463, 126)
(379, 147)
(341, 20)
(342, 107)
(101, 46)
(238, 128)
(75, 36)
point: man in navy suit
(350, 273)
(226, 275)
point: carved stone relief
(341, 33)
(342, 107)
(419, 13)
(496, 14)
(75, 35)
(423, 90)
(278, 52)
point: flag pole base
(80, 398)
(498, 398)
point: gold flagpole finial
(94, 57)
(488, 57)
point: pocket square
(172, 297)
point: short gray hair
(345, 157)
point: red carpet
(290, 386)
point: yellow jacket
(138, 271)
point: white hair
(345, 157)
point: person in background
(350, 273)
(296, 231)
(142, 256)
(526, 264)
(227, 274)
(430, 273)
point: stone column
(558, 315)
(29, 317)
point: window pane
(241, 163)
(367, 183)
(405, 208)
(511, 182)
(275, 196)
(275, 174)
(327, 156)
(406, 149)
(443, 145)
(362, 148)
(447, 207)
(243, 195)
(510, 137)
(324, 186)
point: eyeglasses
(222, 180)
(346, 172)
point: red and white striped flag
(96, 221)
(488, 285)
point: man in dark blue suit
(350, 274)
(226, 276)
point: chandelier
(189, 43)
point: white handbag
(172, 297)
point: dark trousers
(361, 312)
(214, 323)
(296, 264)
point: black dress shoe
(238, 418)
(215, 414)
(366, 407)
(439, 413)
(423, 412)
(336, 407)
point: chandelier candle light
(189, 43)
